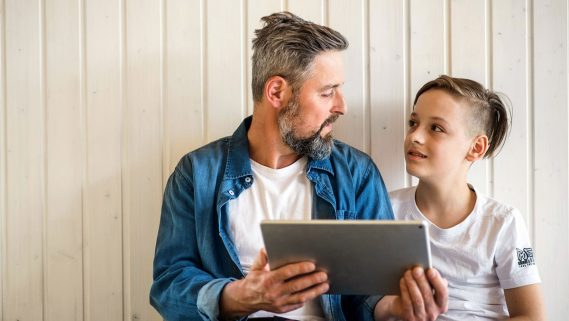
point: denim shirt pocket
(346, 215)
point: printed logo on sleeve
(525, 257)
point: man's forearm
(230, 308)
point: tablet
(361, 257)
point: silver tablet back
(360, 257)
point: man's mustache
(329, 121)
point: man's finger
(304, 282)
(292, 270)
(261, 261)
(306, 295)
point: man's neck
(266, 146)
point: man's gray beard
(314, 146)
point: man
(281, 163)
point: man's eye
(327, 94)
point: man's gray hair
(286, 46)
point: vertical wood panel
(102, 231)
(311, 10)
(184, 110)
(388, 89)
(349, 19)
(226, 75)
(3, 152)
(25, 162)
(143, 172)
(428, 45)
(509, 76)
(256, 9)
(551, 148)
(63, 239)
(184, 79)
(468, 60)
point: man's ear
(277, 91)
(478, 148)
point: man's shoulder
(216, 147)
(347, 152)
(208, 154)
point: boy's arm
(525, 303)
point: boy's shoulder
(489, 206)
(403, 195)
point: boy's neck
(445, 205)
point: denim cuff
(371, 301)
(208, 298)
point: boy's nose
(415, 137)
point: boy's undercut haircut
(488, 114)
(286, 46)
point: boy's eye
(437, 128)
(412, 123)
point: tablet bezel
(360, 256)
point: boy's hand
(424, 296)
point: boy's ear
(478, 148)
(277, 91)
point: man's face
(306, 122)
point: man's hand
(423, 297)
(279, 291)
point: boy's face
(306, 123)
(437, 140)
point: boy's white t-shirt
(276, 194)
(487, 252)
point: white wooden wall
(100, 98)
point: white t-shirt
(284, 193)
(487, 252)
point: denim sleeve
(182, 290)
(372, 199)
(372, 202)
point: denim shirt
(195, 257)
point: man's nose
(340, 106)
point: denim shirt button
(231, 192)
(247, 179)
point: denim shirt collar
(238, 162)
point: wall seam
(83, 138)
(489, 74)
(203, 71)
(408, 180)
(366, 75)
(530, 98)
(165, 136)
(124, 159)
(43, 150)
(244, 13)
(3, 157)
